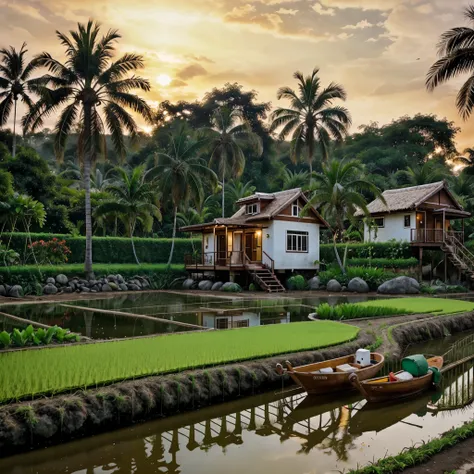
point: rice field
(437, 306)
(48, 371)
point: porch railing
(229, 259)
(434, 235)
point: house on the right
(424, 216)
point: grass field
(423, 305)
(34, 372)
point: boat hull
(317, 384)
(380, 390)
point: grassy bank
(419, 455)
(437, 306)
(58, 369)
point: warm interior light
(259, 233)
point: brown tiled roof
(404, 199)
(278, 201)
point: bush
(373, 276)
(384, 262)
(355, 311)
(53, 251)
(30, 276)
(392, 250)
(297, 283)
(112, 249)
(8, 257)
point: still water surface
(278, 433)
(221, 313)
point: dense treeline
(97, 174)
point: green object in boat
(416, 365)
(436, 375)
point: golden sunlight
(163, 80)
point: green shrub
(392, 250)
(54, 251)
(384, 262)
(110, 249)
(233, 288)
(355, 311)
(373, 276)
(30, 276)
(29, 337)
(297, 282)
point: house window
(407, 221)
(243, 323)
(379, 221)
(251, 209)
(296, 241)
(295, 210)
(222, 323)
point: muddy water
(276, 433)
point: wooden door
(420, 227)
(221, 249)
(249, 246)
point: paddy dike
(28, 425)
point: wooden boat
(380, 389)
(314, 382)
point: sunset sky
(380, 50)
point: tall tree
(338, 192)
(88, 87)
(467, 160)
(428, 172)
(456, 57)
(236, 190)
(312, 119)
(226, 138)
(15, 84)
(181, 173)
(135, 200)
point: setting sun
(163, 80)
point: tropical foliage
(97, 174)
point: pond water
(281, 433)
(209, 312)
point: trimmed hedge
(112, 249)
(30, 276)
(384, 262)
(390, 250)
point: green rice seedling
(69, 367)
(5, 339)
(356, 311)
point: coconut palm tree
(337, 191)
(93, 91)
(181, 173)
(293, 179)
(15, 84)
(135, 200)
(237, 190)
(456, 57)
(311, 119)
(227, 137)
(467, 160)
(428, 172)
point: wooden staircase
(264, 275)
(458, 254)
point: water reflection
(216, 313)
(269, 433)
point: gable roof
(403, 199)
(276, 203)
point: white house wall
(394, 228)
(209, 248)
(275, 245)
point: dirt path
(459, 458)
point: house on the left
(265, 239)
